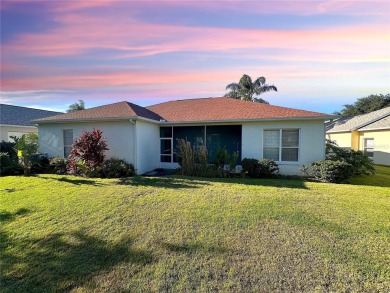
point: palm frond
(232, 86)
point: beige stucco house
(147, 136)
(369, 133)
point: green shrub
(233, 160)
(329, 171)
(251, 167)
(222, 157)
(360, 163)
(9, 148)
(27, 146)
(185, 157)
(268, 168)
(40, 165)
(9, 166)
(116, 168)
(201, 161)
(58, 166)
(259, 168)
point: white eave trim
(86, 120)
(163, 122)
(11, 125)
(323, 118)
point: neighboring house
(16, 121)
(147, 136)
(369, 133)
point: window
(68, 141)
(281, 145)
(369, 147)
(166, 144)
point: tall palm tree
(247, 90)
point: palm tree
(245, 89)
(76, 106)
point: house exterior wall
(343, 139)
(381, 145)
(311, 144)
(355, 140)
(120, 136)
(4, 129)
(147, 146)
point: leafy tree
(76, 107)
(365, 105)
(27, 145)
(247, 90)
(87, 155)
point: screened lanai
(213, 137)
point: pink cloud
(79, 34)
(297, 7)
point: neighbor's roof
(375, 120)
(111, 111)
(21, 116)
(222, 109)
(192, 110)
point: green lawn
(63, 233)
(381, 177)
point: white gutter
(163, 122)
(10, 125)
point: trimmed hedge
(259, 168)
(329, 171)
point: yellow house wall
(343, 139)
(381, 145)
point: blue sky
(320, 54)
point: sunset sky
(319, 54)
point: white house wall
(312, 142)
(148, 146)
(119, 135)
(4, 129)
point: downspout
(133, 122)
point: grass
(381, 177)
(63, 233)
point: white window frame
(280, 147)
(66, 145)
(365, 148)
(171, 139)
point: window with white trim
(68, 141)
(281, 145)
(166, 144)
(369, 147)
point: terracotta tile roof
(22, 116)
(360, 121)
(222, 109)
(113, 111)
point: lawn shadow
(190, 248)
(63, 261)
(80, 181)
(7, 216)
(74, 180)
(163, 182)
(274, 182)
